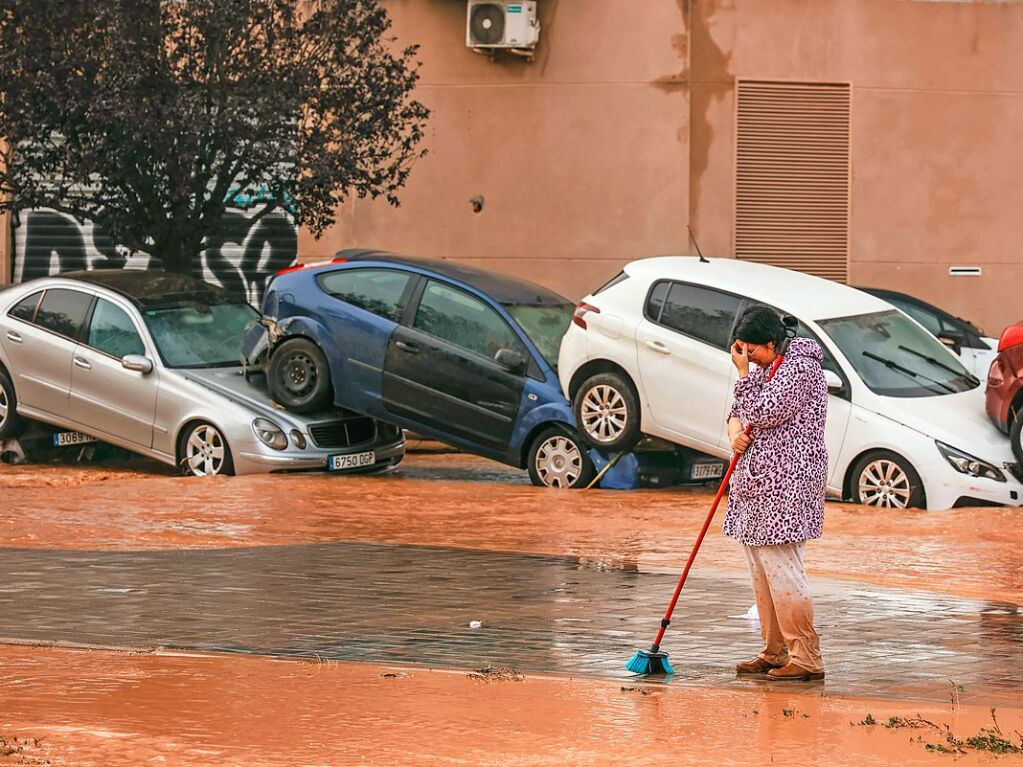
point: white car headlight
(965, 463)
(270, 434)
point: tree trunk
(172, 253)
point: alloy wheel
(205, 451)
(4, 406)
(559, 462)
(884, 483)
(603, 413)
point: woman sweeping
(776, 495)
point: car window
(463, 320)
(25, 309)
(702, 313)
(63, 311)
(655, 302)
(928, 319)
(112, 331)
(376, 290)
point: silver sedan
(150, 362)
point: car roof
(152, 289)
(794, 292)
(502, 288)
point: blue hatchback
(455, 353)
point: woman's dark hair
(760, 325)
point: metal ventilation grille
(792, 176)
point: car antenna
(703, 260)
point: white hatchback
(647, 354)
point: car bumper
(256, 458)
(946, 488)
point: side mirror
(952, 340)
(510, 360)
(138, 363)
(834, 382)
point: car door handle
(657, 346)
(83, 363)
(13, 336)
(405, 346)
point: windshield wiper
(893, 365)
(938, 363)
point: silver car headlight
(270, 434)
(298, 439)
(965, 463)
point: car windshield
(897, 358)
(193, 335)
(545, 326)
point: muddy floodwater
(462, 501)
(289, 578)
(98, 708)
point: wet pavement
(383, 603)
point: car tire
(298, 376)
(1016, 436)
(203, 451)
(557, 458)
(11, 424)
(886, 480)
(606, 408)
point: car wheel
(1016, 435)
(11, 424)
(204, 452)
(607, 410)
(887, 480)
(558, 459)
(298, 376)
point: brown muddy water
(103, 708)
(463, 501)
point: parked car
(1005, 387)
(976, 350)
(151, 362)
(647, 354)
(455, 353)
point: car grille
(343, 433)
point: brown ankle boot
(794, 673)
(756, 666)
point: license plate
(354, 461)
(65, 438)
(707, 471)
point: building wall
(622, 132)
(936, 156)
(581, 156)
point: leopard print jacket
(776, 494)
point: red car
(1005, 387)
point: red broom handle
(706, 526)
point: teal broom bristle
(644, 662)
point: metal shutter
(792, 176)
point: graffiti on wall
(240, 258)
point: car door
(441, 369)
(107, 398)
(40, 344)
(362, 309)
(682, 349)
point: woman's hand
(740, 442)
(740, 358)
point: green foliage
(148, 116)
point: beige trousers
(785, 604)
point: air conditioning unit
(501, 24)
